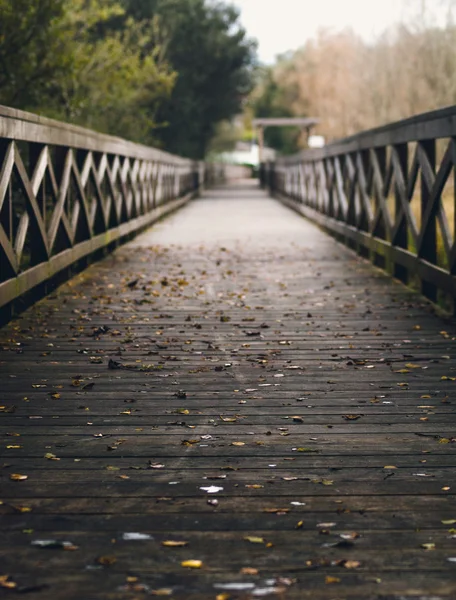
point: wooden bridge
(233, 404)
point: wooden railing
(66, 192)
(388, 193)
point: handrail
(66, 192)
(388, 193)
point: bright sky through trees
(281, 25)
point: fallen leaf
(254, 540)
(192, 564)
(106, 561)
(18, 477)
(135, 536)
(54, 544)
(174, 543)
(51, 456)
(21, 509)
(7, 582)
(428, 546)
(350, 564)
(213, 489)
(249, 571)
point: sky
(281, 25)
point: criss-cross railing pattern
(389, 193)
(66, 192)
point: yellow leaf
(6, 582)
(299, 524)
(192, 564)
(449, 522)
(18, 477)
(390, 467)
(106, 561)
(13, 447)
(329, 579)
(253, 539)
(425, 397)
(402, 371)
(237, 443)
(27, 509)
(174, 543)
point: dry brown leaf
(106, 561)
(249, 571)
(351, 564)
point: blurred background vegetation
(162, 72)
(183, 74)
(352, 84)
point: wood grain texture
(233, 345)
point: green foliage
(73, 65)
(214, 60)
(155, 71)
(270, 101)
(29, 49)
(110, 84)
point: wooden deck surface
(236, 381)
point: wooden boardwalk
(236, 382)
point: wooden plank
(329, 375)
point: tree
(65, 60)
(157, 71)
(29, 43)
(214, 62)
(110, 83)
(272, 99)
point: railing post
(429, 246)
(401, 237)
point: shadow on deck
(236, 382)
